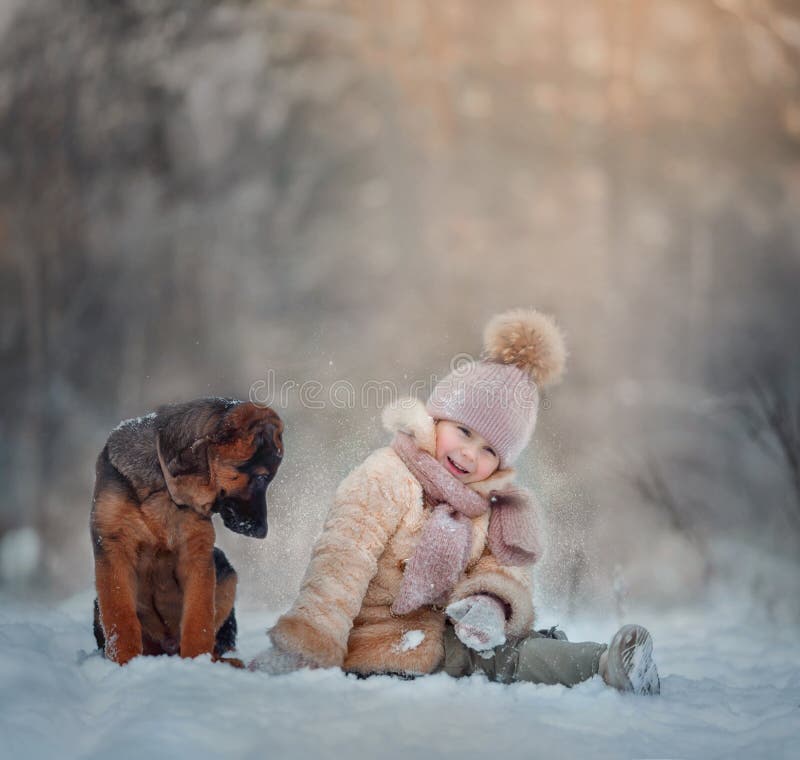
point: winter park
(413, 378)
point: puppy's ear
(244, 426)
(190, 460)
(183, 456)
(242, 418)
(186, 473)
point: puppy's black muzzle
(246, 516)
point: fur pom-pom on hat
(529, 340)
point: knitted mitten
(480, 621)
(276, 662)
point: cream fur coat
(341, 616)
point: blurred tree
(193, 194)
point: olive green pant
(534, 659)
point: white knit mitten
(276, 662)
(480, 621)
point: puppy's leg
(97, 628)
(197, 578)
(116, 594)
(115, 541)
(226, 636)
(226, 589)
(224, 614)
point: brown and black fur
(162, 586)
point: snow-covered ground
(730, 688)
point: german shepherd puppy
(162, 586)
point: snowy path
(728, 696)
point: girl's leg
(534, 659)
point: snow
(730, 688)
(135, 421)
(411, 640)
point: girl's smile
(454, 468)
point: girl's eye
(464, 430)
(490, 450)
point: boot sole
(631, 653)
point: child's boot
(628, 663)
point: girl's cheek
(491, 466)
(486, 466)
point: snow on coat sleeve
(365, 514)
(512, 585)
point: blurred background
(196, 195)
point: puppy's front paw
(234, 662)
(121, 649)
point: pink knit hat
(498, 396)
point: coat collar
(408, 415)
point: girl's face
(465, 454)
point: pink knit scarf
(444, 547)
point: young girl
(424, 562)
